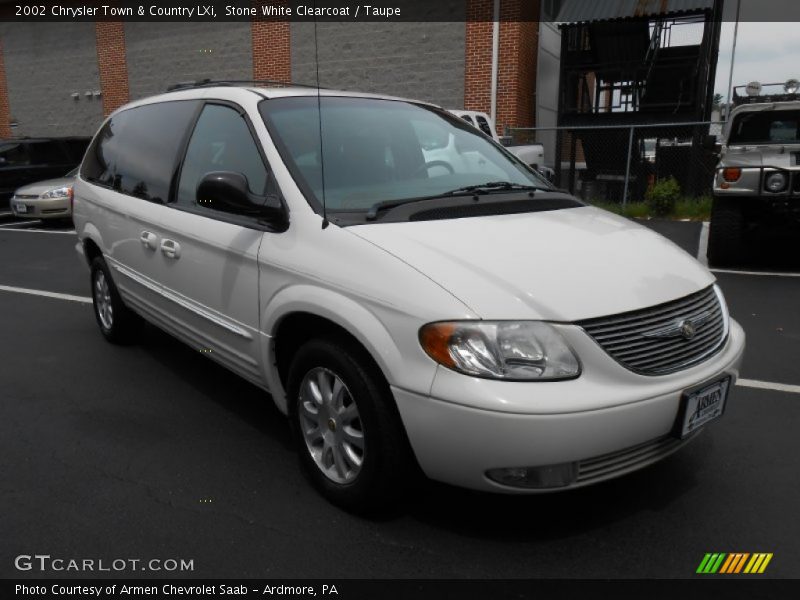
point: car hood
(40, 187)
(562, 265)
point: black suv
(27, 160)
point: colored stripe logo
(734, 563)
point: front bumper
(41, 208)
(606, 425)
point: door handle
(149, 240)
(170, 248)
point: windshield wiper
(491, 186)
(483, 188)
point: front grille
(25, 196)
(629, 459)
(659, 340)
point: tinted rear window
(136, 152)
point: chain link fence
(620, 163)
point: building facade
(64, 78)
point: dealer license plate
(702, 406)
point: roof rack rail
(187, 85)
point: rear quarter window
(136, 151)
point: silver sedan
(49, 199)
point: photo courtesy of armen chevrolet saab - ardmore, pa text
(487, 298)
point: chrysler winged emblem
(685, 328)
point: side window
(483, 124)
(468, 119)
(136, 152)
(221, 141)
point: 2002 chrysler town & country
(410, 294)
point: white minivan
(409, 293)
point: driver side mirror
(227, 191)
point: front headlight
(63, 192)
(509, 350)
(775, 182)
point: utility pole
(733, 56)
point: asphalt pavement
(153, 451)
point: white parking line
(62, 232)
(17, 223)
(763, 273)
(70, 297)
(702, 249)
(768, 385)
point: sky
(765, 52)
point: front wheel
(351, 441)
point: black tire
(726, 233)
(388, 469)
(123, 325)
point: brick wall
(5, 128)
(113, 64)
(160, 55)
(424, 61)
(478, 56)
(516, 81)
(516, 77)
(271, 47)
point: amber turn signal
(435, 340)
(731, 173)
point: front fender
(352, 316)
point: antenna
(325, 222)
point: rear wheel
(726, 233)
(351, 441)
(117, 322)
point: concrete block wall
(44, 64)
(161, 54)
(424, 61)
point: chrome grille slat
(689, 303)
(624, 336)
(637, 342)
(634, 324)
(665, 358)
(662, 344)
(600, 467)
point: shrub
(662, 198)
(696, 209)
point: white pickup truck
(530, 154)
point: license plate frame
(692, 415)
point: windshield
(384, 150)
(766, 127)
